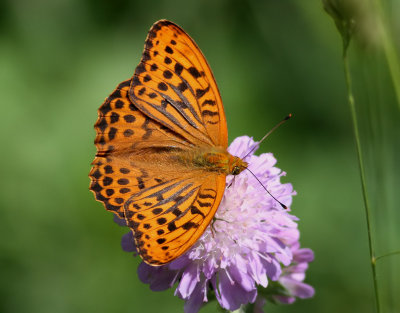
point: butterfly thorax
(215, 160)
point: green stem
(387, 254)
(362, 175)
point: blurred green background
(60, 250)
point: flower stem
(362, 176)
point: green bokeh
(60, 250)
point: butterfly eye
(235, 170)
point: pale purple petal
(273, 269)
(304, 255)
(189, 280)
(241, 278)
(241, 146)
(231, 294)
(195, 302)
(293, 275)
(179, 263)
(297, 288)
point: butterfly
(162, 159)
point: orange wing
(173, 84)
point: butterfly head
(237, 165)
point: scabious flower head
(251, 242)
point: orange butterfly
(162, 139)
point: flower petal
(127, 243)
(297, 288)
(195, 302)
(241, 278)
(159, 278)
(232, 295)
(304, 255)
(190, 279)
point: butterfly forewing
(175, 86)
(151, 133)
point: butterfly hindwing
(169, 218)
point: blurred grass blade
(376, 123)
(389, 47)
(362, 175)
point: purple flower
(253, 241)
(292, 276)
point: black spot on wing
(178, 68)
(114, 117)
(194, 72)
(182, 87)
(172, 226)
(128, 132)
(203, 204)
(96, 174)
(102, 124)
(208, 102)
(161, 221)
(112, 133)
(208, 113)
(201, 92)
(140, 69)
(195, 210)
(189, 225)
(153, 67)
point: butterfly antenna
(282, 205)
(267, 134)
